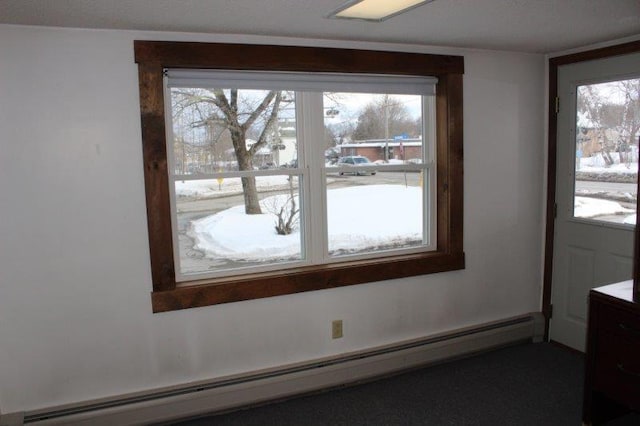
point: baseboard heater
(232, 392)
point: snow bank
(359, 218)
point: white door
(597, 158)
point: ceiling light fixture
(374, 10)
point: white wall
(75, 282)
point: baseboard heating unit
(210, 396)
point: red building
(374, 149)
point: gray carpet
(529, 384)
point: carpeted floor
(529, 384)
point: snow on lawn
(232, 234)
(375, 215)
(208, 188)
(359, 217)
(586, 207)
(596, 164)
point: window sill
(247, 287)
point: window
(272, 170)
(606, 160)
(245, 149)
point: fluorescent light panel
(375, 10)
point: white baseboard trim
(195, 399)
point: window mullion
(429, 179)
(315, 213)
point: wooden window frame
(153, 57)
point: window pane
(215, 233)
(230, 223)
(368, 214)
(371, 204)
(230, 129)
(606, 166)
(384, 129)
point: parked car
(266, 166)
(359, 161)
(293, 164)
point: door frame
(554, 63)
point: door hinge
(557, 104)
(550, 311)
(555, 210)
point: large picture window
(272, 171)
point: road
(630, 188)
(214, 205)
(193, 209)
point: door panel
(597, 162)
(581, 279)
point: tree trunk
(249, 188)
(251, 200)
(244, 155)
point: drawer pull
(629, 329)
(625, 371)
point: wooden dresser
(612, 379)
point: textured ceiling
(540, 26)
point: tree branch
(260, 109)
(273, 116)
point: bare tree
(613, 112)
(240, 116)
(383, 118)
(238, 130)
(286, 210)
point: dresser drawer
(612, 376)
(618, 321)
(617, 370)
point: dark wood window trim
(153, 57)
(554, 63)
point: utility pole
(386, 128)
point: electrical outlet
(336, 329)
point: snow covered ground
(596, 164)
(211, 188)
(359, 218)
(590, 208)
